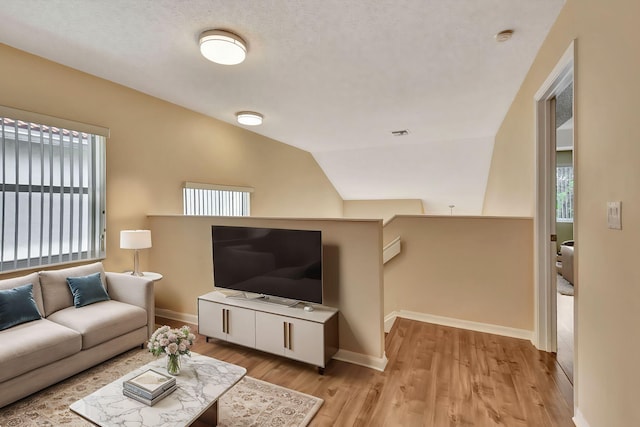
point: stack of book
(149, 387)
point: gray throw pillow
(87, 290)
(17, 306)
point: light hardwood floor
(436, 376)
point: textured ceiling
(332, 77)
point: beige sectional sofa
(68, 340)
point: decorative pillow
(56, 294)
(87, 289)
(17, 306)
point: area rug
(563, 286)
(250, 403)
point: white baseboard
(457, 323)
(579, 420)
(174, 315)
(389, 320)
(377, 363)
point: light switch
(614, 215)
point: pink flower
(172, 348)
(171, 341)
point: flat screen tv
(268, 261)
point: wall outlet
(614, 215)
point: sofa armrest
(566, 257)
(134, 290)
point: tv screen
(268, 261)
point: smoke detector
(503, 36)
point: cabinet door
(241, 326)
(210, 319)
(294, 338)
(270, 332)
(306, 342)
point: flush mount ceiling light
(249, 118)
(503, 36)
(222, 47)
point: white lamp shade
(135, 239)
(222, 47)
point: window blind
(52, 197)
(564, 193)
(216, 200)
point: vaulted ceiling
(333, 77)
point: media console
(307, 336)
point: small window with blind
(52, 199)
(564, 194)
(216, 200)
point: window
(52, 198)
(564, 194)
(216, 200)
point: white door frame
(544, 223)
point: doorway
(548, 263)
(564, 185)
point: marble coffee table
(201, 382)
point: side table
(149, 275)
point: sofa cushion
(31, 345)
(56, 294)
(101, 321)
(33, 279)
(87, 290)
(17, 306)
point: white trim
(564, 63)
(389, 320)
(392, 249)
(377, 363)
(43, 119)
(201, 186)
(579, 420)
(544, 302)
(174, 315)
(461, 324)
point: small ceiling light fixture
(503, 36)
(222, 47)
(249, 118)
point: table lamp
(135, 239)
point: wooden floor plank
(436, 376)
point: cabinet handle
(224, 321)
(284, 324)
(228, 321)
(290, 332)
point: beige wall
(468, 268)
(564, 231)
(352, 267)
(607, 102)
(155, 146)
(384, 209)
